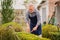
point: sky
(18, 4)
(39, 1)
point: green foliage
(48, 28)
(7, 34)
(15, 26)
(51, 32)
(27, 36)
(54, 35)
(7, 11)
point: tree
(7, 11)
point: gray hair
(31, 5)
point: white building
(48, 8)
(44, 11)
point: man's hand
(28, 29)
(35, 28)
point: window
(43, 14)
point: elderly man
(33, 20)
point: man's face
(31, 8)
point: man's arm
(27, 22)
(38, 19)
(27, 18)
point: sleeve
(27, 17)
(38, 19)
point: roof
(43, 1)
(58, 3)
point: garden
(14, 31)
(10, 30)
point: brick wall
(52, 6)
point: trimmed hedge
(48, 28)
(51, 32)
(54, 35)
(13, 31)
(27, 36)
(8, 31)
(15, 26)
(7, 34)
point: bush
(17, 27)
(48, 28)
(26, 36)
(7, 34)
(54, 35)
(13, 31)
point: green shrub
(27, 36)
(13, 31)
(17, 27)
(54, 35)
(7, 34)
(48, 28)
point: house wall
(52, 6)
(50, 9)
(19, 15)
(44, 14)
(58, 15)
